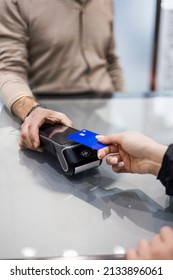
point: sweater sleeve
(114, 67)
(13, 53)
(166, 172)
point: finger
(66, 121)
(166, 234)
(32, 125)
(119, 167)
(30, 129)
(143, 250)
(156, 240)
(33, 134)
(116, 162)
(59, 118)
(24, 139)
(157, 247)
(131, 254)
(49, 116)
(24, 146)
(113, 159)
(110, 138)
(111, 149)
(39, 149)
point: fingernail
(99, 155)
(40, 150)
(99, 137)
(121, 164)
(114, 160)
(36, 145)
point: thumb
(109, 139)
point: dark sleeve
(166, 172)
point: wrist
(23, 106)
(32, 109)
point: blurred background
(144, 42)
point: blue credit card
(87, 138)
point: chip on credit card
(87, 138)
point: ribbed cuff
(166, 172)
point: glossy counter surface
(46, 214)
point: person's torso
(68, 42)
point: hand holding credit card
(87, 138)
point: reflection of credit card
(87, 138)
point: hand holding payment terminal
(73, 157)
